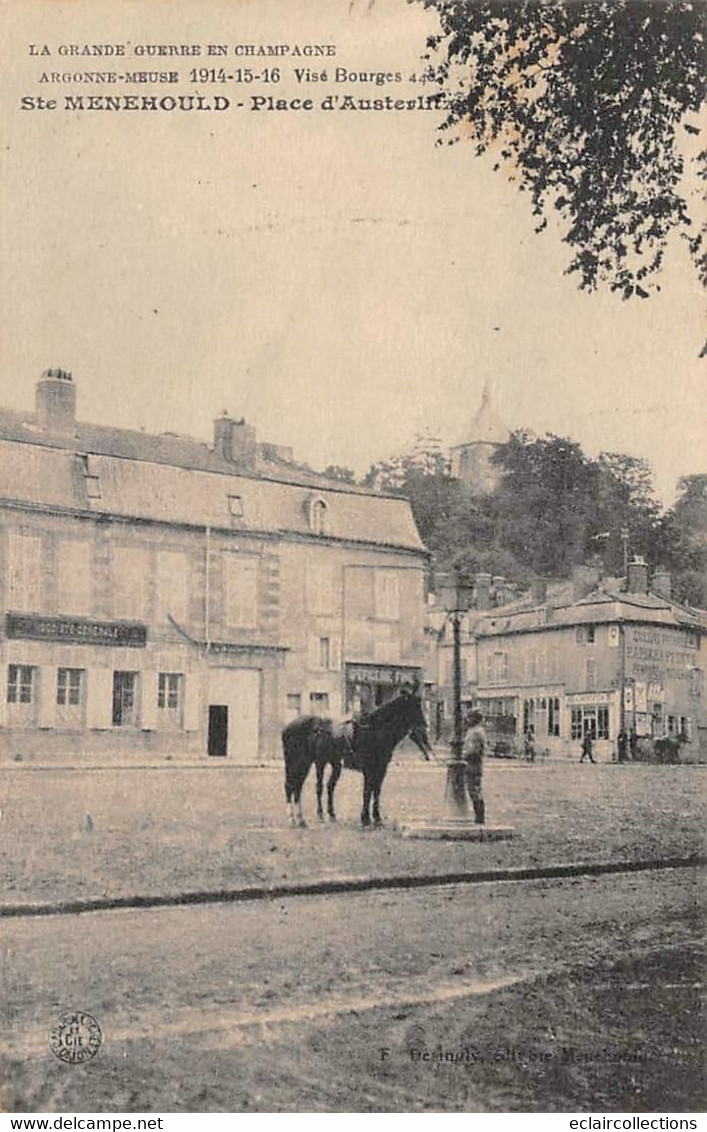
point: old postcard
(353, 558)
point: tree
(337, 472)
(589, 106)
(547, 502)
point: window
(497, 667)
(241, 591)
(131, 566)
(317, 516)
(20, 684)
(124, 699)
(319, 703)
(528, 715)
(387, 595)
(592, 721)
(585, 634)
(23, 572)
(169, 690)
(294, 705)
(69, 686)
(324, 652)
(89, 470)
(591, 675)
(73, 576)
(553, 716)
(576, 727)
(462, 670)
(323, 586)
(170, 697)
(172, 586)
(235, 506)
(696, 682)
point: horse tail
(296, 749)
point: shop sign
(380, 674)
(581, 698)
(641, 700)
(76, 630)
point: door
(237, 692)
(218, 730)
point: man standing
(587, 748)
(474, 750)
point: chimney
(482, 583)
(662, 584)
(234, 440)
(584, 580)
(55, 402)
(637, 581)
(539, 590)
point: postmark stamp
(75, 1037)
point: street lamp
(455, 597)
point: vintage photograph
(353, 558)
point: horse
(365, 743)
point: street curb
(344, 885)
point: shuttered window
(241, 591)
(74, 576)
(24, 572)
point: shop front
(370, 685)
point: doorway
(218, 730)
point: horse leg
(289, 793)
(367, 791)
(319, 766)
(298, 815)
(377, 784)
(331, 787)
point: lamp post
(455, 598)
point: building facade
(564, 667)
(167, 598)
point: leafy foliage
(340, 473)
(555, 509)
(589, 105)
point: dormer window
(317, 516)
(89, 470)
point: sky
(336, 278)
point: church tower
(471, 460)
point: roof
(603, 605)
(162, 448)
(486, 426)
(180, 480)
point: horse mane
(384, 714)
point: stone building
(472, 460)
(165, 598)
(570, 662)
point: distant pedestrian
(529, 744)
(622, 745)
(474, 752)
(587, 748)
(633, 743)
